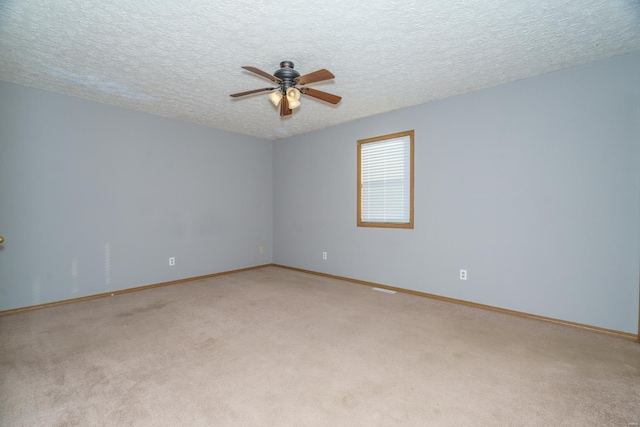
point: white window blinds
(385, 178)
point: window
(385, 181)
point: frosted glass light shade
(275, 97)
(293, 96)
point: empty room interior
(174, 255)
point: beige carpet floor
(276, 347)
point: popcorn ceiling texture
(182, 59)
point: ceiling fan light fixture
(275, 97)
(293, 96)
(287, 78)
(294, 104)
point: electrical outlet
(172, 261)
(324, 255)
(261, 249)
(463, 274)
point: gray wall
(95, 198)
(533, 187)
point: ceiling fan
(286, 94)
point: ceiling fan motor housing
(287, 74)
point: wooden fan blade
(328, 97)
(249, 92)
(262, 73)
(284, 107)
(316, 76)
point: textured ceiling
(182, 59)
